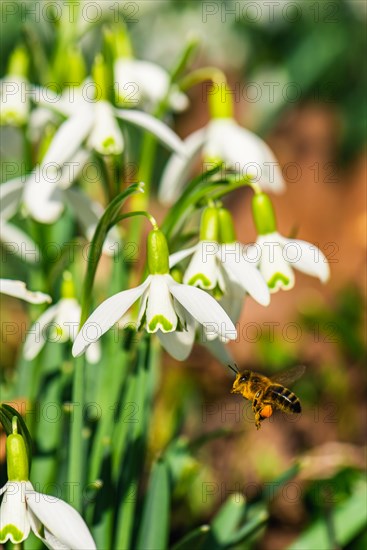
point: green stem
(76, 465)
(201, 75)
(136, 213)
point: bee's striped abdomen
(283, 398)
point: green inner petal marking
(272, 283)
(108, 142)
(159, 321)
(202, 279)
(11, 532)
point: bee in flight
(266, 393)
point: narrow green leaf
(349, 519)
(154, 528)
(195, 539)
(250, 527)
(104, 224)
(227, 519)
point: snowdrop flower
(279, 255)
(95, 121)
(23, 509)
(45, 193)
(222, 141)
(142, 82)
(18, 289)
(59, 323)
(13, 238)
(14, 99)
(166, 307)
(221, 266)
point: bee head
(241, 379)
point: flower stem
(75, 474)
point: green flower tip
(19, 62)
(77, 70)
(67, 285)
(102, 78)
(16, 456)
(227, 233)
(220, 98)
(157, 253)
(209, 225)
(263, 213)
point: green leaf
(348, 520)
(107, 220)
(154, 528)
(194, 539)
(226, 521)
(252, 525)
(6, 415)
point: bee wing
(289, 376)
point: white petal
(37, 334)
(14, 101)
(160, 313)
(106, 136)
(19, 243)
(41, 195)
(306, 257)
(14, 523)
(155, 126)
(178, 343)
(61, 520)
(178, 168)
(88, 213)
(245, 273)
(19, 290)
(177, 257)
(105, 316)
(69, 137)
(204, 309)
(67, 320)
(203, 269)
(273, 267)
(244, 152)
(10, 194)
(94, 353)
(73, 168)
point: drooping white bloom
(279, 256)
(96, 122)
(222, 265)
(142, 82)
(18, 289)
(167, 308)
(51, 519)
(59, 323)
(45, 193)
(14, 101)
(224, 141)
(13, 238)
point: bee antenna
(233, 368)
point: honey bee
(266, 393)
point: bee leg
(256, 407)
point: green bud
(16, 457)
(122, 43)
(227, 233)
(67, 286)
(19, 62)
(209, 225)
(76, 68)
(157, 253)
(220, 100)
(176, 274)
(101, 76)
(263, 213)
